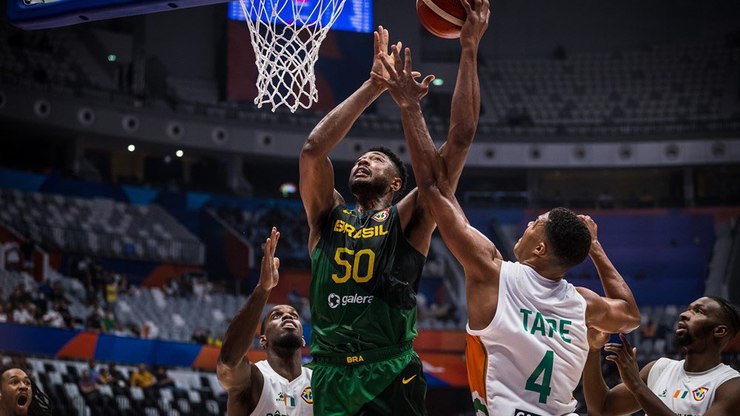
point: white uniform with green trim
(535, 348)
(281, 397)
(687, 393)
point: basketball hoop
(286, 36)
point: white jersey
(281, 397)
(530, 358)
(685, 393)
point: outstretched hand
(401, 82)
(476, 22)
(624, 356)
(269, 274)
(380, 46)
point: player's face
(373, 171)
(533, 235)
(283, 327)
(16, 392)
(697, 322)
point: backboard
(43, 14)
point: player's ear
(541, 248)
(720, 331)
(396, 184)
(263, 341)
(303, 341)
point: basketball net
(286, 36)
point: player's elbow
(462, 133)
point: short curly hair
(400, 166)
(568, 236)
(728, 315)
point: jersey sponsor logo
(408, 380)
(664, 394)
(341, 226)
(380, 216)
(348, 212)
(544, 326)
(700, 393)
(307, 395)
(519, 412)
(335, 300)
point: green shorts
(368, 384)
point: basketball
(443, 18)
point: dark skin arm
(241, 378)
(617, 311)
(600, 399)
(316, 171)
(416, 217)
(726, 399)
(478, 255)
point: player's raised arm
(472, 249)
(316, 171)
(465, 107)
(617, 311)
(600, 399)
(465, 112)
(234, 370)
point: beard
(683, 340)
(290, 341)
(368, 187)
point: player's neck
(544, 269)
(286, 363)
(696, 361)
(373, 202)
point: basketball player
(527, 342)
(20, 396)
(366, 262)
(697, 385)
(278, 385)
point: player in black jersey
(367, 260)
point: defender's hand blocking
(269, 274)
(404, 89)
(380, 44)
(476, 22)
(625, 358)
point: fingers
(380, 79)
(387, 65)
(427, 80)
(466, 5)
(395, 51)
(407, 64)
(626, 342)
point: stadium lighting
(179, 153)
(438, 82)
(131, 148)
(112, 57)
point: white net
(286, 37)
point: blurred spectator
(107, 321)
(53, 318)
(163, 379)
(142, 377)
(25, 313)
(649, 330)
(116, 377)
(199, 337)
(88, 385)
(149, 330)
(105, 377)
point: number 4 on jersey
(544, 368)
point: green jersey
(365, 279)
